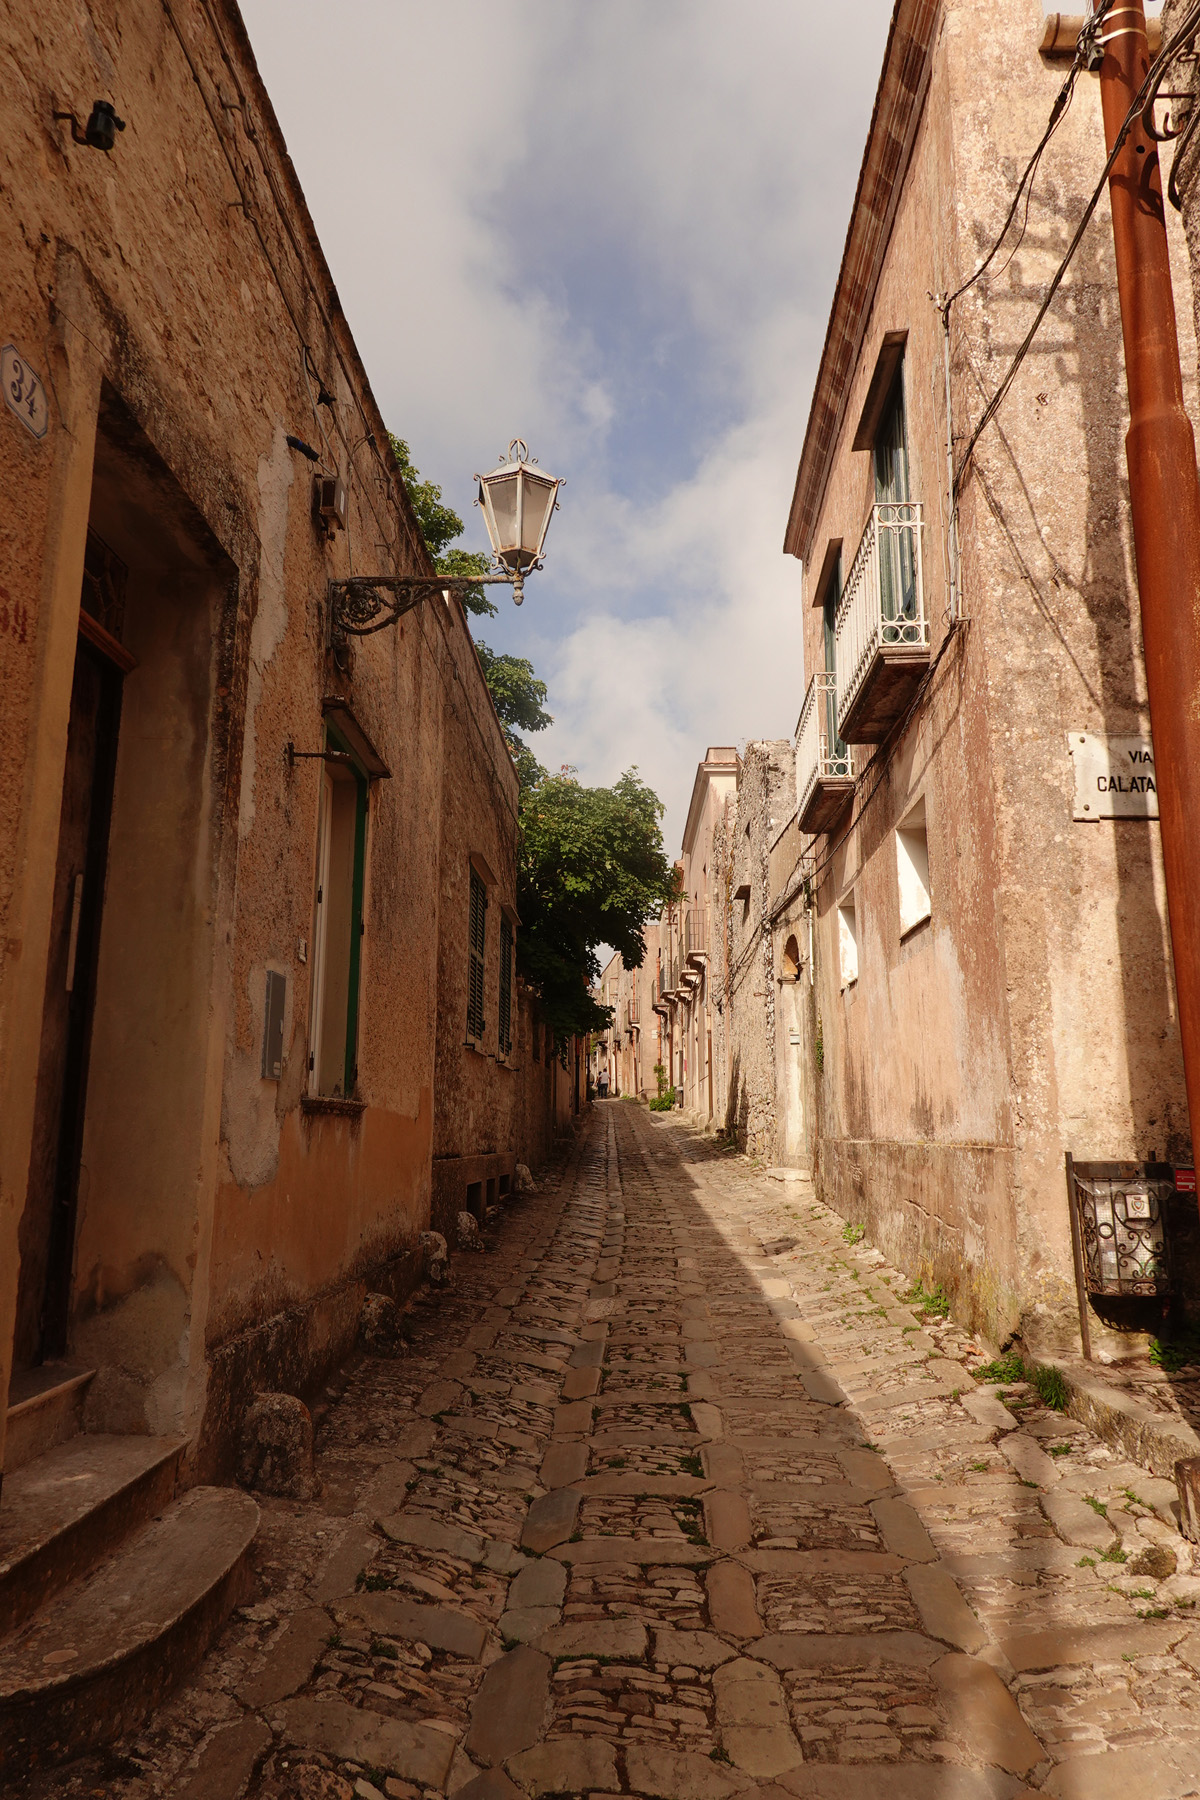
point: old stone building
(257, 876)
(745, 956)
(993, 978)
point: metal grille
(104, 581)
(820, 754)
(1121, 1222)
(506, 971)
(476, 950)
(883, 601)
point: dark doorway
(48, 1223)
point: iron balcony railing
(820, 753)
(695, 933)
(883, 601)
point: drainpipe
(1164, 497)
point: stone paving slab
(832, 1564)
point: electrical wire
(1141, 99)
(1058, 113)
(1142, 103)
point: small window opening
(848, 942)
(791, 960)
(912, 869)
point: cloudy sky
(611, 226)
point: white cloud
(612, 226)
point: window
(912, 868)
(848, 942)
(476, 939)
(338, 926)
(897, 564)
(835, 750)
(506, 976)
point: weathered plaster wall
(228, 1226)
(1033, 1014)
(747, 984)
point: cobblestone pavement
(678, 1495)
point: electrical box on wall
(272, 1055)
(329, 503)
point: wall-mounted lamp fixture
(101, 128)
(517, 499)
(328, 756)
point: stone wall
(746, 982)
(174, 301)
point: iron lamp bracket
(363, 604)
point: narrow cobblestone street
(675, 1495)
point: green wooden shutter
(476, 942)
(506, 961)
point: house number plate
(23, 391)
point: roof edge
(899, 101)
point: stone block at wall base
(293, 1352)
(471, 1184)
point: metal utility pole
(1164, 495)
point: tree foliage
(592, 871)
(516, 690)
(592, 866)
(440, 525)
(518, 695)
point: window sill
(329, 1103)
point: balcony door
(897, 564)
(836, 752)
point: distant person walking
(602, 1084)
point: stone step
(44, 1409)
(69, 1508)
(99, 1656)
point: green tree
(518, 695)
(440, 525)
(592, 867)
(592, 871)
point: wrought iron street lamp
(517, 500)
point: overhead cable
(1141, 100)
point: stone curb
(1127, 1425)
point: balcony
(695, 936)
(664, 988)
(881, 630)
(824, 784)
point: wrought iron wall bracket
(366, 603)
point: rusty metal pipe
(1164, 493)
(1061, 34)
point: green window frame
(476, 951)
(339, 926)
(504, 1011)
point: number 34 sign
(23, 391)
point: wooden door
(47, 1238)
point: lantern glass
(517, 501)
